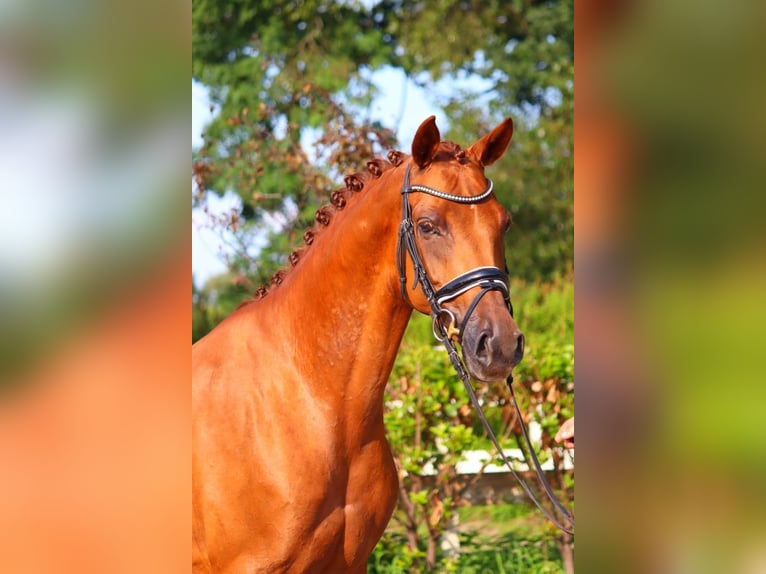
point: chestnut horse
(291, 468)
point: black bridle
(487, 279)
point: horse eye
(426, 227)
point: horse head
(452, 229)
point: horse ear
(492, 146)
(426, 142)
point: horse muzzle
(491, 348)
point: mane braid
(323, 216)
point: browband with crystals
(450, 196)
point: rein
(488, 279)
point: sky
(399, 101)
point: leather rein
(487, 279)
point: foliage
(508, 554)
(425, 424)
(507, 538)
(500, 540)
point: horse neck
(346, 314)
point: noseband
(487, 279)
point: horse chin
(495, 371)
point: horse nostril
(482, 349)
(519, 353)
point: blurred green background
(670, 287)
(91, 134)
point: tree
(282, 75)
